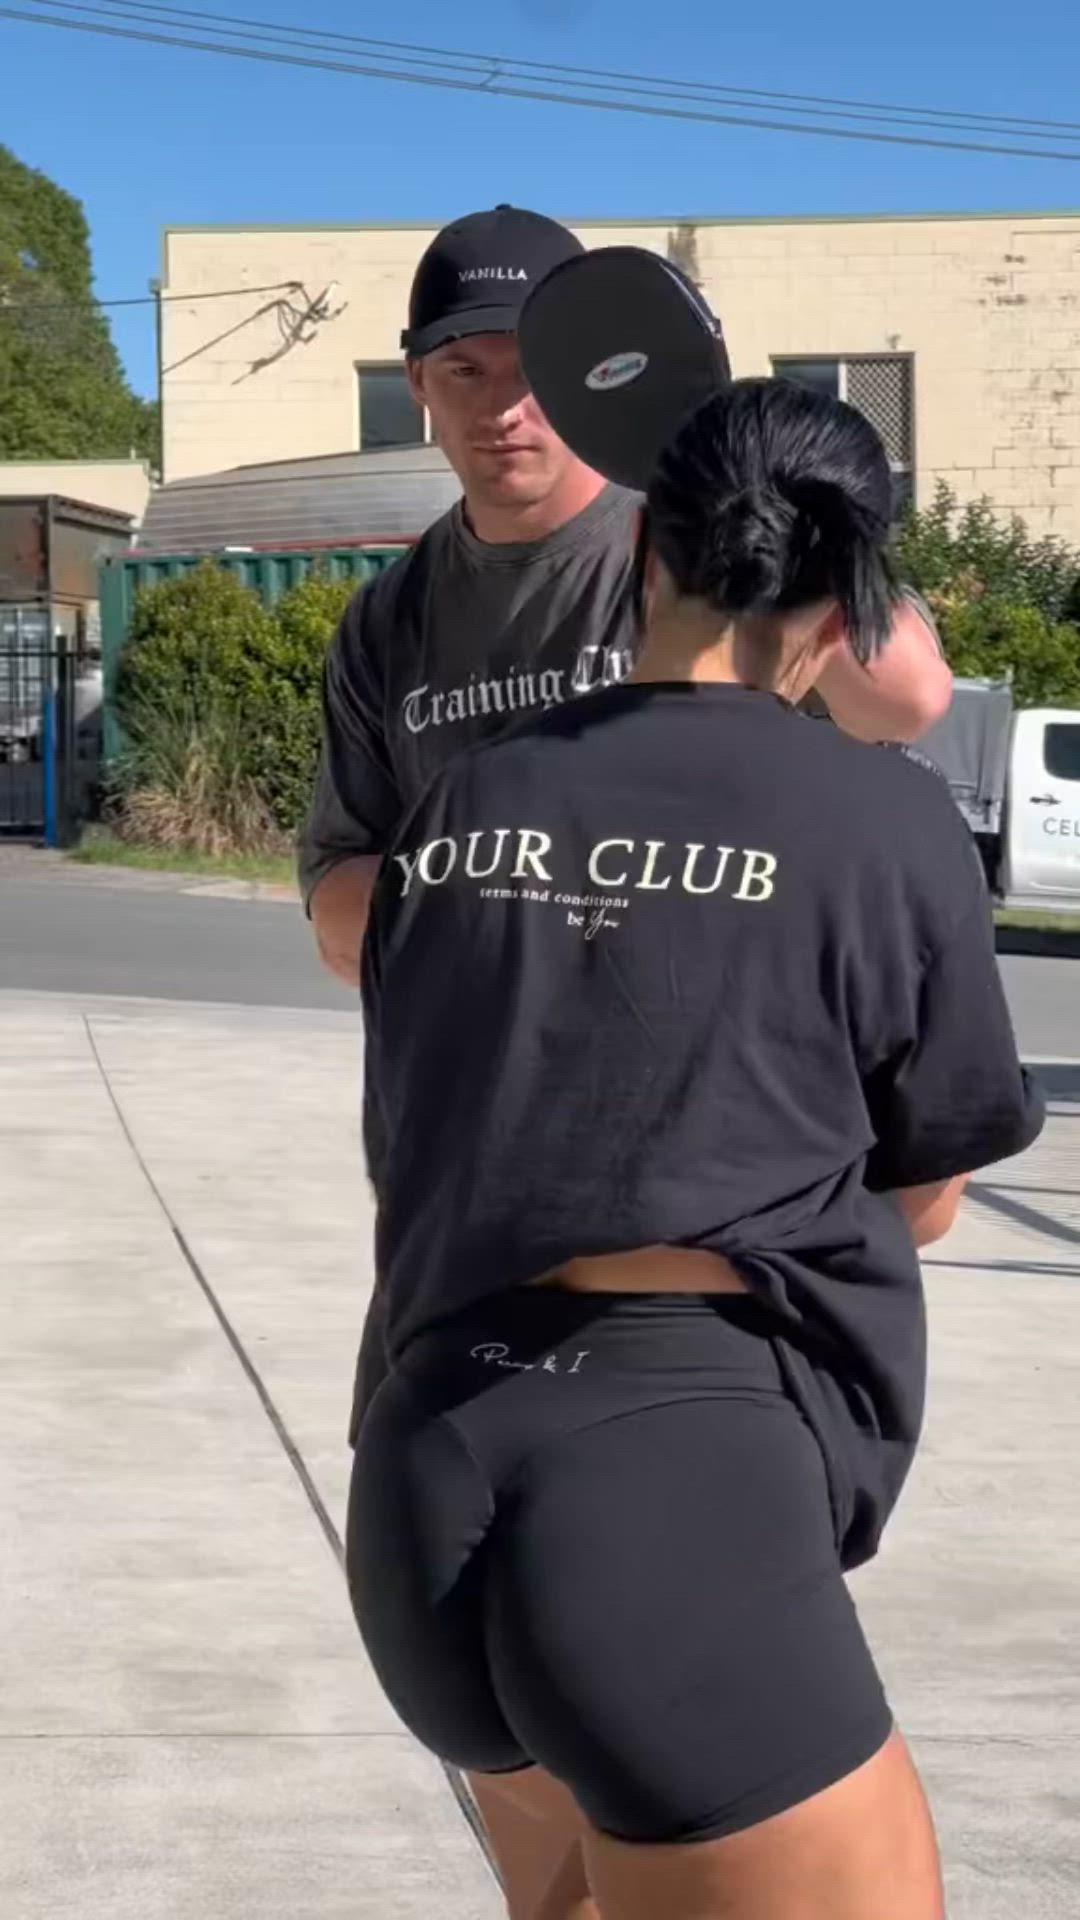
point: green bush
(196, 641)
(1006, 605)
(993, 638)
(964, 553)
(219, 700)
(285, 750)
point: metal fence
(49, 763)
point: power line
(8, 305)
(498, 82)
(417, 54)
(291, 319)
(291, 323)
(480, 69)
(473, 65)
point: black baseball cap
(478, 272)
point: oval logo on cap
(618, 370)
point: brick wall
(989, 307)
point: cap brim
(459, 326)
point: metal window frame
(360, 367)
(911, 469)
(842, 361)
(778, 361)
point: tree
(63, 395)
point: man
(520, 597)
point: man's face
(488, 424)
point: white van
(1015, 775)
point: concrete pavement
(973, 1603)
(189, 1723)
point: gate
(43, 777)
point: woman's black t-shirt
(676, 965)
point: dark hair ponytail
(773, 496)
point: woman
(684, 1028)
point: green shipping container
(268, 574)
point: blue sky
(149, 136)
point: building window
(822, 375)
(389, 416)
(882, 386)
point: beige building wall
(121, 485)
(989, 306)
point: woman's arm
(902, 693)
(931, 1210)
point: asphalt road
(74, 930)
(70, 932)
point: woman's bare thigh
(864, 1849)
(535, 1832)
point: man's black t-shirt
(449, 647)
(676, 965)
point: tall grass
(182, 784)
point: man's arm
(356, 806)
(902, 693)
(339, 910)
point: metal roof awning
(330, 500)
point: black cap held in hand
(478, 272)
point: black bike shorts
(592, 1532)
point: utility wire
(8, 305)
(481, 69)
(197, 352)
(508, 87)
(412, 54)
(484, 67)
